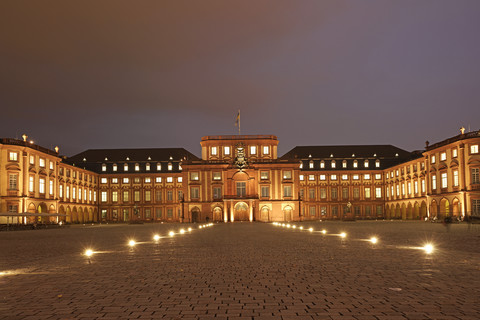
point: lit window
(266, 150)
(125, 167)
(475, 176)
(265, 191)
(114, 196)
(423, 186)
(344, 163)
(444, 180)
(114, 167)
(103, 180)
(180, 166)
(169, 179)
(60, 191)
(454, 153)
(344, 176)
(226, 151)
(333, 177)
(214, 151)
(136, 180)
(41, 162)
(302, 177)
(68, 192)
(217, 176)
(310, 164)
(396, 172)
(253, 150)
(179, 179)
(409, 187)
(90, 195)
(323, 177)
(13, 156)
(159, 166)
(136, 195)
(434, 182)
(356, 177)
(41, 188)
(366, 164)
(415, 186)
(137, 167)
(355, 164)
(301, 165)
(287, 191)
(367, 192)
(311, 177)
(104, 167)
(194, 176)
(74, 192)
(378, 192)
(322, 164)
(378, 176)
(403, 189)
(264, 175)
(170, 166)
(433, 159)
(333, 164)
(443, 156)
(455, 178)
(30, 184)
(398, 190)
(126, 180)
(147, 167)
(51, 165)
(148, 180)
(377, 163)
(104, 196)
(32, 159)
(114, 180)
(366, 176)
(126, 196)
(474, 148)
(158, 179)
(287, 175)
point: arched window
(310, 164)
(355, 163)
(125, 167)
(333, 164)
(344, 163)
(114, 167)
(137, 167)
(322, 164)
(366, 164)
(147, 167)
(159, 166)
(104, 167)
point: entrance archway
(409, 212)
(456, 212)
(423, 210)
(195, 214)
(444, 208)
(433, 210)
(241, 212)
(217, 214)
(416, 211)
(287, 213)
(42, 208)
(265, 214)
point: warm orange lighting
(324, 231)
(373, 240)
(156, 237)
(182, 231)
(89, 252)
(189, 229)
(171, 233)
(428, 248)
(343, 235)
(132, 243)
(311, 229)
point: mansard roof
(133, 155)
(347, 151)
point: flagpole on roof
(237, 121)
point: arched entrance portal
(42, 208)
(241, 212)
(444, 208)
(265, 214)
(287, 213)
(217, 214)
(195, 214)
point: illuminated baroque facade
(241, 178)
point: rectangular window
(398, 190)
(423, 186)
(333, 164)
(409, 187)
(136, 195)
(217, 176)
(32, 160)
(323, 193)
(264, 175)
(443, 156)
(434, 182)
(214, 151)
(415, 186)
(159, 166)
(345, 193)
(444, 180)
(322, 165)
(114, 167)
(104, 167)
(158, 213)
(136, 180)
(180, 195)
(323, 177)
(147, 167)
(170, 167)
(356, 210)
(169, 213)
(474, 148)
(379, 210)
(356, 193)
(60, 191)
(104, 213)
(94, 196)
(13, 156)
(455, 178)
(158, 195)
(266, 150)
(217, 193)
(311, 177)
(13, 182)
(476, 207)
(377, 163)
(334, 193)
(366, 164)
(125, 167)
(368, 211)
(344, 176)
(41, 162)
(333, 177)
(241, 189)
(169, 179)
(312, 211)
(126, 180)
(31, 183)
(366, 176)
(41, 184)
(158, 179)
(147, 213)
(195, 192)
(454, 153)
(126, 196)
(323, 211)
(367, 193)
(334, 211)
(194, 176)
(265, 191)
(287, 191)
(104, 196)
(475, 176)
(356, 177)
(179, 179)
(226, 151)
(148, 180)
(90, 195)
(114, 196)
(433, 160)
(311, 194)
(253, 150)
(68, 192)
(169, 195)
(287, 175)
(301, 177)
(103, 180)
(50, 187)
(378, 192)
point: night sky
(133, 74)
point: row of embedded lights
(156, 237)
(428, 248)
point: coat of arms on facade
(240, 160)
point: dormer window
(377, 163)
(137, 167)
(147, 167)
(104, 167)
(310, 164)
(366, 163)
(125, 167)
(355, 164)
(301, 165)
(344, 163)
(159, 166)
(180, 166)
(114, 167)
(170, 166)
(322, 164)
(333, 164)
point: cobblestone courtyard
(242, 271)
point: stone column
(231, 211)
(251, 210)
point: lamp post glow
(132, 243)
(89, 252)
(373, 240)
(324, 231)
(311, 229)
(182, 231)
(343, 235)
(428, 248)
(171, 233)
(156, 237)
(189, 229)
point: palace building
(240, 178)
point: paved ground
(242, 271)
